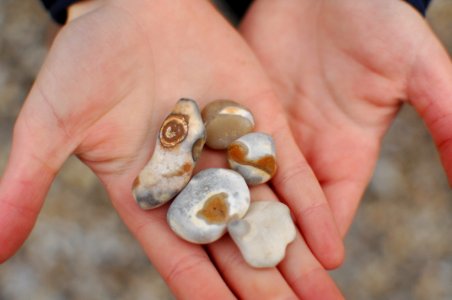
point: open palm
(111, 77)
(343, 68)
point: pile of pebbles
(217, 200)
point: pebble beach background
(399, 247)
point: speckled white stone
(170, 168)
(264, 233)
(185, 213)
(258, 146)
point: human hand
(343, 68)
(112, 75)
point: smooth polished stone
(225, 121)
(264, 233)
(211, 199)
(254, 157)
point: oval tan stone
(225, 121)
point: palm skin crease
(110, 78)
(342, 70)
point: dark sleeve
(420, 5)
(240, 7)
(58, 9)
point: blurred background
(399, 247)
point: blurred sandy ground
(399, 247)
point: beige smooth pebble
(225, 121)
(264, 233)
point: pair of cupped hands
(324, 78)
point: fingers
(37, 153)
(306, 275)
(248, 282)
(430, 91)
(189, 271)
(297, 185)
(299, 275)
(185, 267)
(344, 198)
(343, 163)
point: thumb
(430, 91)
(38, 150)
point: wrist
(161, 15)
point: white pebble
(211, 199)
(264, 233)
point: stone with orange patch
(254, 157)
(216, 209)
(213, 197)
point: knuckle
(233, 259)
(186, 267)
(297, 171)
(297, 281)
(311, 209)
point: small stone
(211, 199)
(179, 144)
(254, 157)
(264, 233)
(226, 121)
